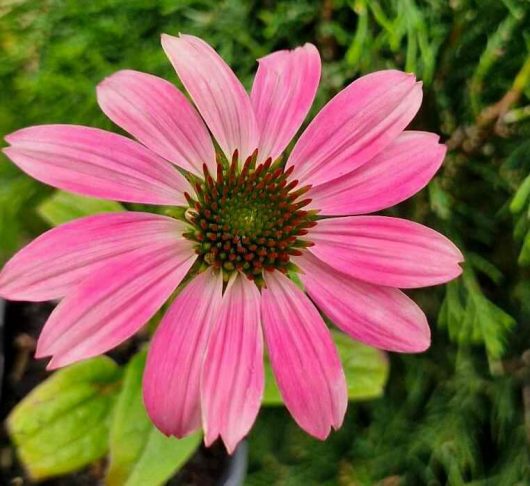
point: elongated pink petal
(303, 357)
(113, 303)
(282, 93)
(355, 125)
(386, 251)
(57, 260)
(232, 379)
(382, 317)
(219, 96)
(398, 172)
(174, 362)
(158, 115)
(95, 163)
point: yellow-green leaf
(62, 425)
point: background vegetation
(458, 414)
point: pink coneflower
(245, 224)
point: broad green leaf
(139, 454)
(366, 371)
(64, 206)
(62, 425)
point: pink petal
(158, 115)
(382, 317)
(303, 357)
(232, 379)
(282, 93)
(219, 96)
(95, 163)
(386, 251)
(174, 362)
(57, 260)
(355, 126)
(398, 172)
(113, 303)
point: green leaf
(64, 206)
(139, 453)
(366, 371)
(62, 425)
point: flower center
(249, 219)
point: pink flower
(251, 223)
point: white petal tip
(231, 444)
(53, 365)
(422, 344)
(60, 361)
(424, 347)
(8, 151)
(208, 439)
(230, 449)
(309, 45)
(42, 350)
(41, 354)
(14, 137)
(320, 435)
(166, 38)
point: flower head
(248, 219)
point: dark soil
(22, 325)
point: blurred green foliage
(454, 415)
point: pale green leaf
(366, 371)
(62, 207)
(62, 425)
(140, 455)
